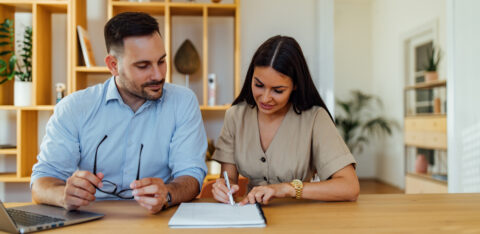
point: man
(133, 136)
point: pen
(225, 175)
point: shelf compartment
(426, 140)
(426, 123)
(13, 178)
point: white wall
(353, 64)
(392, 19)
(260, 19)
(463, 84)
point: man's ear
(112, 64)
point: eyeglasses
(110, 187)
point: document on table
(217, 215)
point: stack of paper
(216, 215)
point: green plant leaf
(5, 53)
(12, 62)
(4, 43)
(4, 30)
(3, 65)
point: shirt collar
(112, 91)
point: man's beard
(142, 93)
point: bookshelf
(77, 73)
(425, 133)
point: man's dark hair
(128, 24)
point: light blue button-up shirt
(170, 129)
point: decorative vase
(431, 76)
(421, 164)
(22, 93)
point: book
(217, 215)
(86, 47)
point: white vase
(22, 93)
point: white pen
(230, 197)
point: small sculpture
(187, 60)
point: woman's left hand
(263, 194)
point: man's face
(142, 67)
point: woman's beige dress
(303, 144)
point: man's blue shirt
(170, 129)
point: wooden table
(398, 213)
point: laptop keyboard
(25, 218)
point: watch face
(169, 198)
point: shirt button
(265, 178)
(263, 159)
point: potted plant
(11, 67)
(358, 120)
(433, 59)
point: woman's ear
(112, 64)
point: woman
(278, 133)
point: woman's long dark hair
(285, 56)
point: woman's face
(271, 90)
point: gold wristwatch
(298, 186)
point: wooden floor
(372, 186)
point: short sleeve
(225, 147)
(330, 153)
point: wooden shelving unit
(77, 74)
(426, 131)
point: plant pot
(421, 164)
(431, 76)
(22, 93)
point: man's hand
(80, 189)
(150, 193)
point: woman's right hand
(220, 190)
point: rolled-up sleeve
(189, 141)
(60, 149)
(224, 150)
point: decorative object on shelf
(433, 59)
(212, 84)
(358, 119)
(437, 105)
(60, 89)
(216, 1)
(421, 164)
(86, 47)
(23, 84)
(187, 60)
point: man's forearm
(48, 190)
(183, 188)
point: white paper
(216, 215)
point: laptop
(23, 219)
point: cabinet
(76, 77)
(425, 137)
